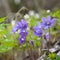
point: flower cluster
(22, 26)
(45, 24)
(38, 30)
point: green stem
(49, 34)
(49, 43)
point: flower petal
(49, 18)
(43, 19)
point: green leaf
(56, 13)
(2, 19)
(33, 21)
(52, 56)
(57, 57)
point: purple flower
(48, 22)
(31, 42)
(47, 36)
(15, 28)
(40, 25)
(20, 25)
(23, 32)
(38, 31)
(22, 39)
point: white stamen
(22, 39)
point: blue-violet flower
(48, 22)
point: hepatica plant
(38, 30)
(35, 32)
(48, 22)
(22, 26)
